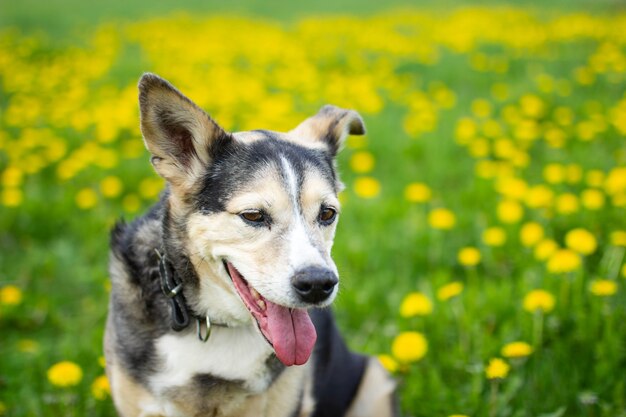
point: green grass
(67, 78)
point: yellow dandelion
(516, 350)
(111, 186)
(531, 233)
(10, 295)
(417, 192)
(481, 108)
(65, 374)
(497, 369)
(86, 199)
(409, 347)
(367, 187)
(509, 211)
(512, 188)
(592, 199)
(603, 287)
(415, 304)
(12, 197)
(581, 240)
(544, 249)
(554, 173)
(532, 106)
(594, 178)
(615, 182)
(539, 196)
(573, 173)
(150, 187)
(618, 238)
(539, 300)
(469, 256)
(494, 236)
(388, 362)
(100, 388)
(102, 361)
(442, 219)
(450, 290)
(567, 203)
(362, 162)
(563, 261)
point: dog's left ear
(330, 127)
(180, 136)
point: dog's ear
(179, 135)
(330, 126)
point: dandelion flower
(615, 181)
(594, 178)
(417, 192)
(150, 187)
(409, 346)
(416, 304)
(544, 249)
(592, 199)
(531, 233)
(367, 187)
(539, 196)
(603, 287)
(509, 211)
(10, 295)
(388, 362)
(450, 290)
(539, 300)
(567, 203)
(111, 186)
(100, 388)
(12, 197)
(581, 241)
(442, 219)
(65, 374)
(494, 236)
(554, 173)
(86, 198)
(563, 261)
(497, 369)
(362, 162)
(469, 256)
(516, 350)
(618, 238)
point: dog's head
(255, 212)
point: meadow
(483, 233)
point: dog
(219, 295)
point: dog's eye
(253, 216)
(327, 215)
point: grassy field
(482, 240)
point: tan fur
(375, 395)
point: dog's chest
(238, 357)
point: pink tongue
(291, 332)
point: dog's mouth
(289, 330)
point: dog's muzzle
(314, 284)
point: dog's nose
(314, 284)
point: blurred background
(482, 240)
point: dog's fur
(257, 208)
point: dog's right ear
(179, 135)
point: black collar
(172, 288)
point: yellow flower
(497, 369)
(595, 178)
(409, 346)
(366, 187)
(469, 256)
(539, 300)
(131, 203)
(388, 362)
(592, 199)
(362, 162)
(574, 173)
(563, 260)
(513, 188)
(532, 106)
(416, 304)
(567, 203)
(86, 198)
(150, 187)
(100, 388)
(102, 361)
(450, 290)
(494, 236)
(545, 249)
(417, 192)
(65, 374)
(581, 241)
(531, 233)
(111, 186)
(615, 182)
(12, 197)
(509, 211)
(539, 196)
(618, 238)
(516, 350)
(441, 218)
(10, 295)
(481, 108)
(603, 287)
(554, 173)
